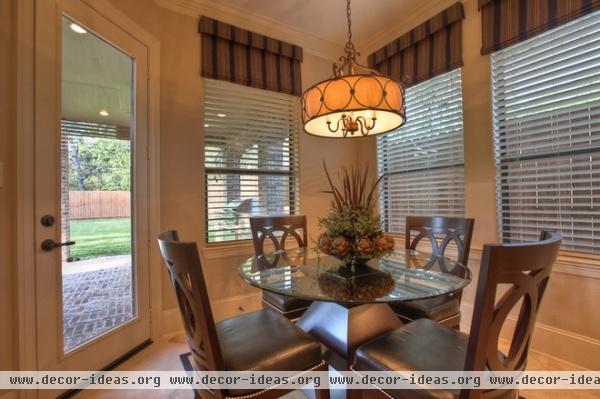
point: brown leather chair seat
(284, 303)
(422, 345)
(440, 309)
(263, 340)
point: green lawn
(100, 237)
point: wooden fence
(99, 204)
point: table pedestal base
(343, 329)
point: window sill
(232, 249)
(578, 264)
(573, 263)
(241, 248)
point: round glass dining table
(351, 306)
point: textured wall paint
(570, 300)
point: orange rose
(340, 246)
(324, 243)
(384, 243)
(364, 246)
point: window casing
(250, 157)
(423, 160)
(546, 103)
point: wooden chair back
(264, 227)
(440, 231)
(526, 269)
(185, 270)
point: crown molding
(403, 25)
(310, 42)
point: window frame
(453, 82)
(498, 63)
(292, 172)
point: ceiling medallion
(353, 104)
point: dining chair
(518, 274)
(261, 340)
(277, 229)
(440, 232)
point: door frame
(25, 129)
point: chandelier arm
(337, 126)
(364, 130)
(363, 125)
(373, 122)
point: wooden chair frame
(526, 268)
(185, 270)
(441, 231)
(264, 227)
(428, 227)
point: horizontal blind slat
(250, 157)
(423, 160)
(546, 92)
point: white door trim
(25, 129)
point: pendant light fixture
(351, 103)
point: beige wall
(181, 147)
(7, 147)
(480, 168)
(568, 310)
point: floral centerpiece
(353, 226)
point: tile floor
(164, 355)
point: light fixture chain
(349, 16)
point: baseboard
(9, 395)
(222, 309)
(234, 306)
(578, 350)
(171, 322)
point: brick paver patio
(97, 296)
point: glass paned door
(92, 180)
(96, 152)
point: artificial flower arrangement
(353, 227)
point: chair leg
(321, 393)
(354, 394)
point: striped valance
(247, 58)
(430, 49)
(506, 22)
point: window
(423, 160)
(250, 157)
(546, 101)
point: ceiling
(326, 19)
(95, 76)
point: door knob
(49, 244)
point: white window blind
(251, 157)
(423, 160)
(546, 101)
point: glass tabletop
(402, 276)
